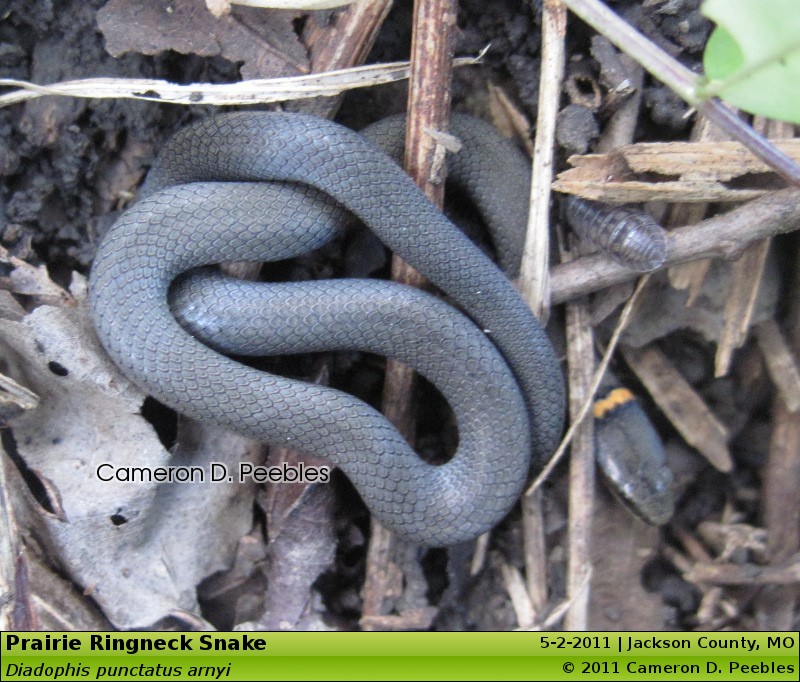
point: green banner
(398, 656)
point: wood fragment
(507, 118)
(692, 545)
(478, 561)
(746, 274)
(727, 539)
(536, 253)
(781, 364)
(748, 574)
(724, 236)
(709, 606)
(776, 606)
(690, 276)
(517, 593)
(681, 405)
(621, 126)
(677, 559)
(535, 551)
(411, 619)
(685, 172)
(580, 364)
(378, 574)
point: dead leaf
(23, 278)
(139, 548)
(264, 41)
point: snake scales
(268, 186)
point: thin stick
(775, 609)
(535, 256)
(580, 363)
(429, 109)
(624, 317)
(534, 279)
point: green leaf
(752, 58)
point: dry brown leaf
(781, 364)
(263, 40)
(138, 548)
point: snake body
(267, 186)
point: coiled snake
(268, 186)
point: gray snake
(268, 186)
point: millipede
(629, 235)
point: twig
(716, 112)
(429, 109)
(558, 612)
(724, 236)
(520, 599)
(624, 317)
(293, 4)
(535, 256)
(535, 550)
(580, 363)
(749, 574)
(781, 364)
(683, 82)
(220, 8)
(781, 485)
(621, 126)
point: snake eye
(630, 236)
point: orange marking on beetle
(617, 397)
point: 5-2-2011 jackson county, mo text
(756, 654)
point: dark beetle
(630, 454)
